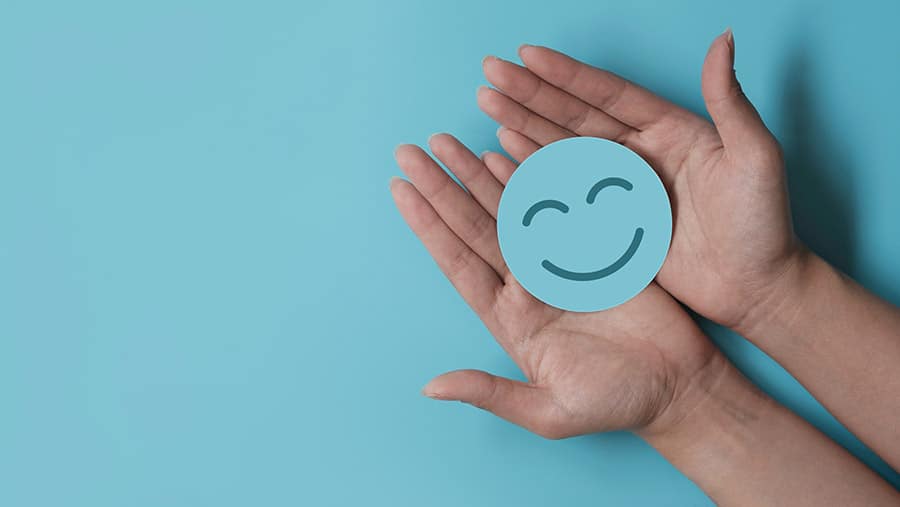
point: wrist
(713, 431)
(780, 301)
(841, 343)
(743, 448)
(715, 392)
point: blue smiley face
(584, 224)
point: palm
(720, 207)
(613, 369)
(586, 371)
(726, 183)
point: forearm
(842, 343)
(743, 448)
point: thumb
(737, 121)
(523, 404)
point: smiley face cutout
(584, 224)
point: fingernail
(729, 39)
(488, 58)
(524, 47)
(394, 179)
(483, 154)
(499, 130)
(432, 136)
(481, 89)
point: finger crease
(575, 123)
(537, 90)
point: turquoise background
(207, 298)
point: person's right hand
(734, 257)
(639, 366)
(732, 239)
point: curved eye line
(607, 182)
(538, 206)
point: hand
(732, 239)
(635, 366)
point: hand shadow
(820, 177)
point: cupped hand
(635, 366)
(732, 239)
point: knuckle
(578, 118)
(534, 90)
(487, 397)
(551, 427)
(459, 263)
(551, 432)
(612, 99)
(441, 189)
(526, 120)
(769, 156)
(480, 228)
(568, 74)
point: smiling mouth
(589, 276)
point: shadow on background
(820, 176)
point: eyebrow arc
(607, 182)
(545, 204)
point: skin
(728, 187)
(723, 199)
(580, 380)
(642, 366)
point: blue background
(207, 298)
